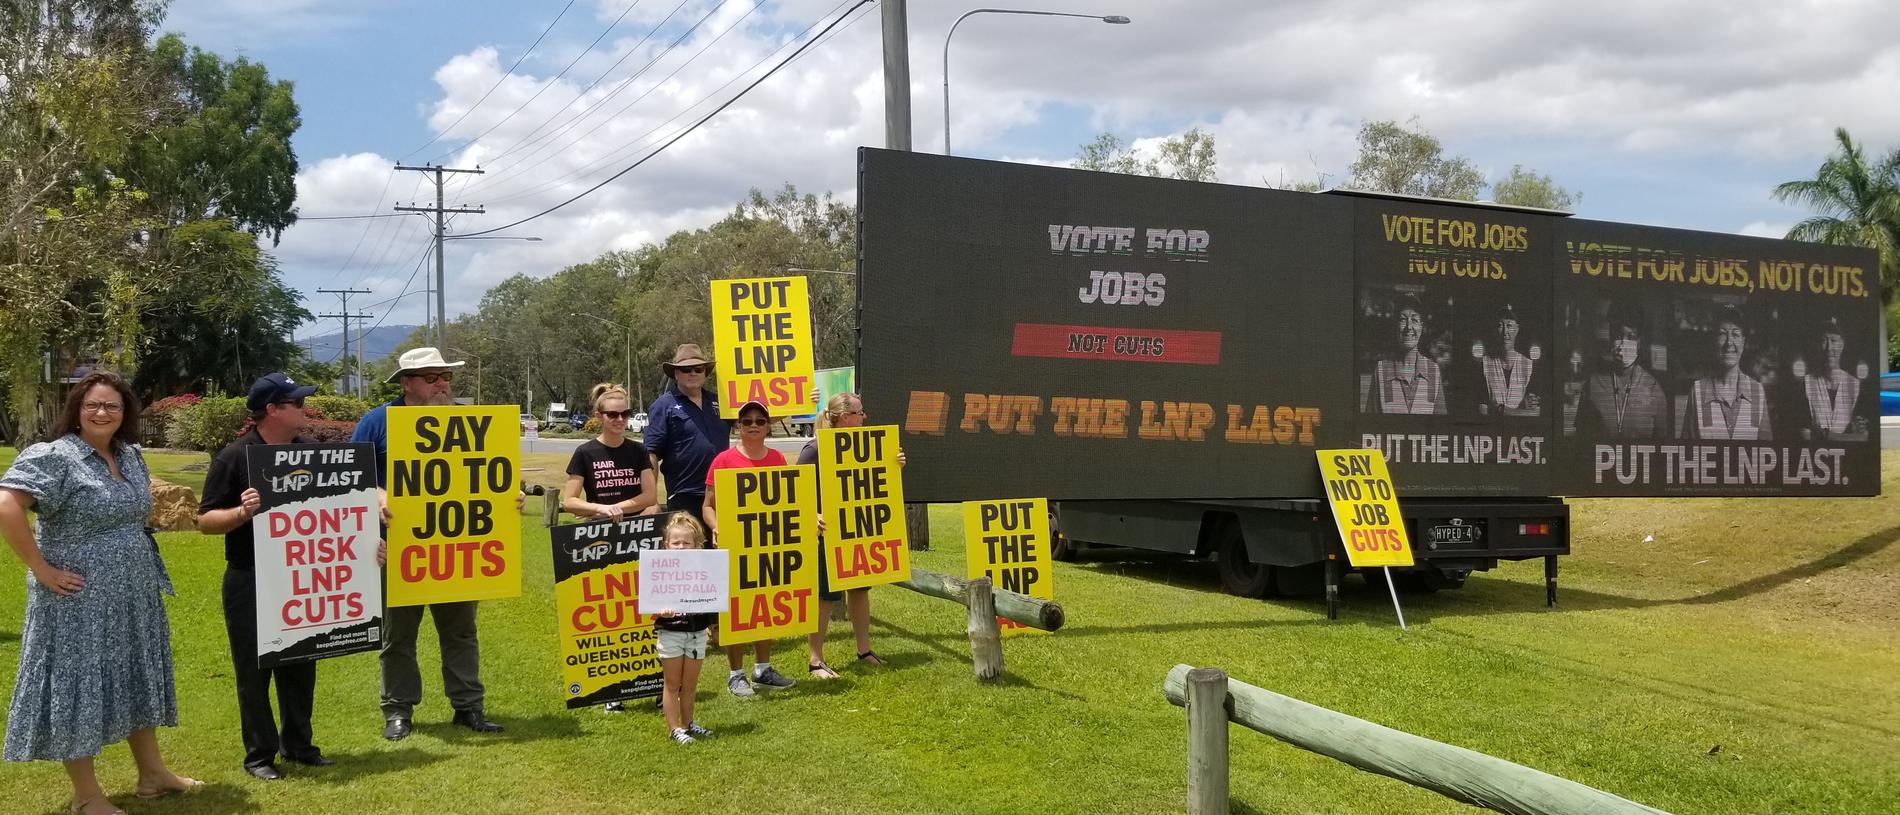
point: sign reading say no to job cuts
(1008, 542)
(762, 342)
(862, 491)
(454, 530)
(1365, 507)
(767, 525)
(314, 536)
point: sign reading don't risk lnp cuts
(767, 526)
(762, 342)
(454, 529)
(608, 649)
(1008, 542)
(862, 490)
(1365, 507)
(314, 537)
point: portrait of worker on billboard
(1832, 404)
(1621, 398)
(1403, 353)
(1506, 361)
(1727, 398)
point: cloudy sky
(1666, 112)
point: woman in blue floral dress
(95, 655)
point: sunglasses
(691, 369)
(445, 376)
(615, 414)
(754, 422)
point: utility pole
(441, 306)
(897, 137)
(355, 379)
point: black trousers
(296, 684)
(694, 502)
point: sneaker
(698, 732)
(614, 707)
(771, 678)
(682, 737)
(739, 686)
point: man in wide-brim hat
(427, 380)
(684, 431)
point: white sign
(684, 581)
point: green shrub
(592, 427)
(208, 425)
(335, 408)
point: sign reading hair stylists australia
(315, 540)
(862, 490)
(762, 343)
(767, 525)
(454, 529)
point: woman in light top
(1409, 382)
(1729, 404)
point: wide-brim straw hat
(686, 354)
(420, 359)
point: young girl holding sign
(682, 642)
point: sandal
(191, 785)
(871, 658)
(79, 807)
(820, 670)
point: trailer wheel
(1062, 550)
(1238, 575)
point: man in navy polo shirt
(276, 407)
(684, 431)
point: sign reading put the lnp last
(608, 648)
(762, 342)
(862, 490)
(1008, 542)
(1359, 488)
(314, 537)
(767, 526)
(454, 530)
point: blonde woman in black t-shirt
(610, 475)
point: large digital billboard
(1076, 335)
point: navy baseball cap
(273, 388)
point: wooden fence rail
(1034, 612)
(1454, 772)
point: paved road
(1890, 432)
(789, 445)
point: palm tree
(1858, 205)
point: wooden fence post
(986, 638)
(1207, 713)
(917, 526)
(550, 509)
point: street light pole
(1111, 19)
(616, 326)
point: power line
(346, 217)
(366, 230)
(629, 146)
(528, 139)
(547, 141)
(504, 78)
(549, 84)
(682, 134)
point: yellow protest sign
(862, 490)
(1364, 506)
(454, 528)
(609, 652)
(1008, 542)
(762, 344)
(768, 524)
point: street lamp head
(1116, 19)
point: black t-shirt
(225, 482)
(609, 475)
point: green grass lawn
(1764, 628)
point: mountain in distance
(378, 342)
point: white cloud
(1766, 229)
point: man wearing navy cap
(276, 407)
